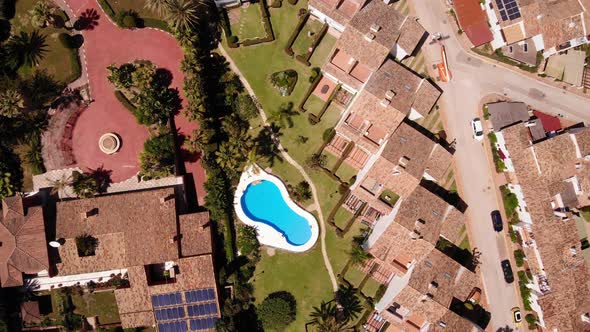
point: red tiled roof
(550, 123)
(473, 21)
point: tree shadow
(163, 77)
(5, 28)
(473, 312)
(102, 177)
(88, 20)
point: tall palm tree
(11, 103)
(160, 7)
(26, 48)
(324, 319)
(349, 305)
(60, 184)
(182, 14)
(41, 13)
(358, 255)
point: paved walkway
(108, 44)
(295, 164)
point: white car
(477, 129)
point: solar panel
(213, 308)
(211, 293)
(508, 9)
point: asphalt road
(473, 79)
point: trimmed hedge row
(126, 103)
(106, 6)
(270, 36)
(302, 20)
(156, 24)
(304, 59)
(309, 92)
(314, 119)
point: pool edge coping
(266, 234)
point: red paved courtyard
(107, 44)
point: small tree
(519, 257)
(84, 185)
(532, 320)
(277, 311)
(247, 241)
(316, 161)
(157, 159)
(42, 13)
(86, 245)
(121, 76)
(302, 191)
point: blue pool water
(264, 203)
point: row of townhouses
(548, 169)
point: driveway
(106, 44)
(473, 79)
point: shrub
(66, 40)
(233, 39)
(302, 191)
(122, 76)
(313, 119)
(128, 19)
(86, 245)
(246, 107)
(284, 81)
(126, 103)
(85, 185)
(513, 235)
(277, 311)
(510, 201)
(316, 161)
(247, 241)
(328, 134)
(532, 320)
(157, 159)
(315, 72)
(519, 257)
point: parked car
(477, 129)
(516, 316)
(497, 221)
(507, 270)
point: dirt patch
(270, 251)
(234, 15)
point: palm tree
(26, 48)
(160, 7)
(60, 184)
(11, 103)
(41, 13)
(182, 14)
(358, 255)
(349, 305)
(324, 319)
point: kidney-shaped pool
(265, 204)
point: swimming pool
(262, 201)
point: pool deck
(267, 235)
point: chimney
(385, 102)
(369, 36)
(166, 198)
(442, 324)
(89, 213)
(375, 28)
(390, 94)
(387, 2)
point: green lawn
(342, 217)
(345, 172)
(58, 60)
(371, 287)
(389, 197)
(250, 23)
(135, 5)
(321, 52)
(331, 159)
(354, 276)
(101, 304)
(302, 274)
(306, 36)
(314, 104)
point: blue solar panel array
(202, 324)
(205, 309)
(169, 313)
(200, 295)
(508, 9)
(163, 300)
(178, 326)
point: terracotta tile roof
(445, 279)
(426, 97)
(30, 312)
(557, 241)
(473, 21)
(394, 77)
(412, 303)
(340, 11)
(23, 246)
(452, 226)
(556, 158)
(412, 33)
(423, 212)
(583, 140)
(142, 225)
(195, 230)
(438, 163)
(454, 322)
(517, 52)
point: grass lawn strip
(345, 172)
(331, 159)
(250, 24)
(304, 40)
(354, 276)
(342, 217)
(322, 51)
(370, 287)
(101, 304)
(313, 104)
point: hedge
(309, 92)
(304, 59)
(106, 6)
(270, 36)
(156, 24)
(302, 20)
(276, 4)
(75, 64)
(293, 2)
(232, 41)
(327, 103)
(519, 257)
(126, 103)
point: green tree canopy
(277, 311)
(157, 159)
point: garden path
(295, 164)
